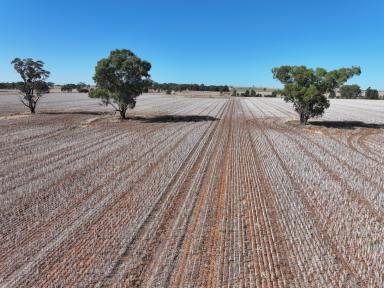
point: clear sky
(196, 41)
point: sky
(194, 41)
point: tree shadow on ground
(346, 124)
(174, 118)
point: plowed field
(192, 192)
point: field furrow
(191, 192)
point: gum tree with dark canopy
(120, 78)
(371, 93)
(33, 85)
(350, 91)
(307, 88)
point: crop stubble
(247, 199)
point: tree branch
(22, 101)
(114, 106)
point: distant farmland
(191, 192)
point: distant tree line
(169, 87)
(10, 85)
(354, 92)
(252, 93)
(80, 87)
(17, 85)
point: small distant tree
(234, 93)
(253, 93)
(332, 94)
(371, 94)
(68, 87)
(33, 85)
(306, 88)
(274, 93)
(82, 87)
(350, 91)
(120, 78)
(168, 92)
(246, 93)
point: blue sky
(195, 41)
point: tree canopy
(33, 85)
(350, 91)
(306, 88)
(120, 78)
(371, 93)
(68, 87)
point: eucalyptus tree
(119, 79)
(307, 88)
(33, 83)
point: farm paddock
(191, 192)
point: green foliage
(11, 85)
(274, 93)
(306, 88)
(371, 94)
(350, 91)
(234, 93)
(253, 93)
(33, 85)
(120, 78)
(246, 93)
(82, 87)
(42, 87)
(68, 87)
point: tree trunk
(122, 114)
(303, 119)
(123, 109)
(32, 107)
